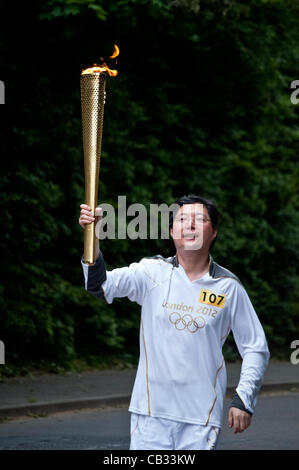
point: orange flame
(104, 67)
(115, 53)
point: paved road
(275, 426)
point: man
(189, 306)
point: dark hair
(193, 199)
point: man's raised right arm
(94, 275)
(130, 281)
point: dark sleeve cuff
(95, 275)
(237, 403)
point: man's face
(192, 228)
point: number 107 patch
(210, 298)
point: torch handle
(92, 102)
(90, 241)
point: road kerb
(45, 408)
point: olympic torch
(92, 84)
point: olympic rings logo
(187, 321)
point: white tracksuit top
(181, 373)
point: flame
(115, 53)
(104, 67)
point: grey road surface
(275, 426)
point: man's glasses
(201, 218)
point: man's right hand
(87, 217)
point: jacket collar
(175, 263)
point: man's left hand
(238, 419)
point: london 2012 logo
(186, 322)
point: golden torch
(93, 83)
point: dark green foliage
(201, 104)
